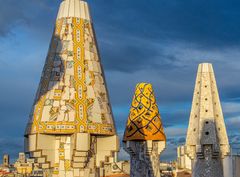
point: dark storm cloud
(32, 14)
(10, 15)
(137, 54)
(207, 23)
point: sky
(156, 41)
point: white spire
(74, 8)
(206, 109)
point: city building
(6, 160)
(231, 166)
(183, 161)
(23, 165)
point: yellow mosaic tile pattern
(72, 96)
(144, 121)
(56, 169)
(67, 165)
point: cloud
(137, 54)
(10, 15)
(204, 23)
(231, 107)
(234, 120)
(175, 131)
(234, 124)
(24, 13)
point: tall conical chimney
(207, 140)
(71, 123)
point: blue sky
(157, 41)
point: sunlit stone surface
(71, 131)
(207, 141)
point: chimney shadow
(208, 161)
(52, 85)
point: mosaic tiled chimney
(71, 130)
(144, 138)
(207, 140)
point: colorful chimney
(144, 121)
(207, 141)
(144, 138)
(71, 123)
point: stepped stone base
(207, 164)
(77, 155)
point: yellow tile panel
(64, 93)
(144, 121)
